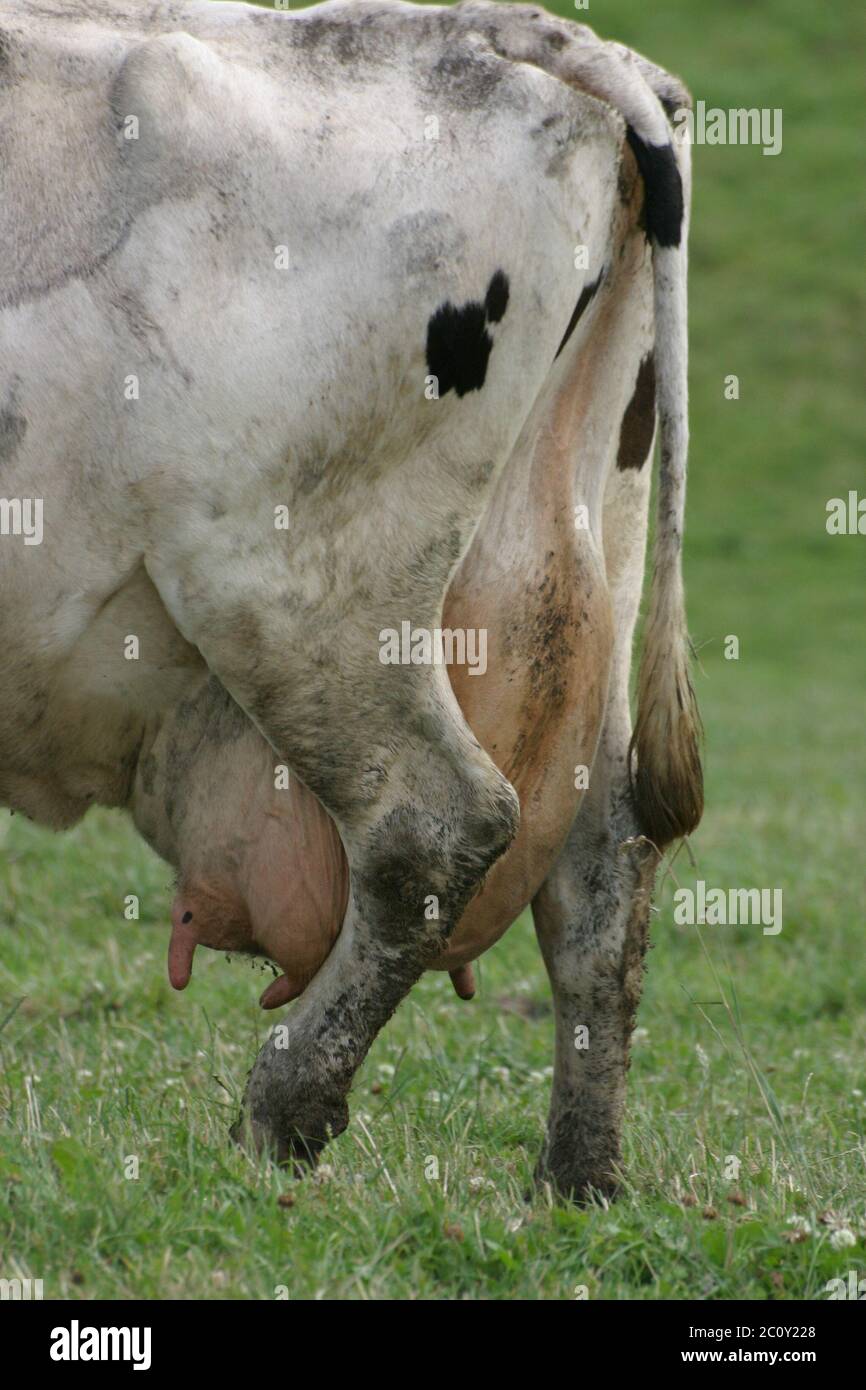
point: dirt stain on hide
(12, 431)
(466, 80)
(541, 642)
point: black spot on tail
(586, 295)
(664, 189)
(638, 422)
(458, 344)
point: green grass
(753, 1048)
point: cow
(318, 328)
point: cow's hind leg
(592, 912)
(592, 920)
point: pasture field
(745, 1148)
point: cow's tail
(665, 754)
(664, 757)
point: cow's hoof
(292, 1104)
(291, 1142)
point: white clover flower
(800, 1224)
(386, 1069)
(841, 1239)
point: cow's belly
(78, 699)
